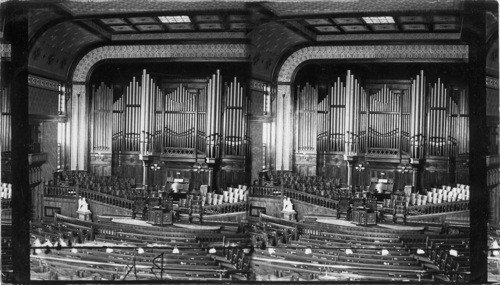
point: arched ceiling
(62, 31)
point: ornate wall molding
(491, 82)
(40, 82)
(5, 50)
(394, 52)
(257, 85)
(201, 51)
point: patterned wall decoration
(386, 52)
(179, 36)
(491, 82)
(257, 85)
(389, 37)
(42, 101)
(40, 82)
(202, 51)
(296, 8)
(136, 6)
(55, 49)
(270, 40)
(49, 146)
(5, 50)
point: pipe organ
(154, 122)
(389, 124)
(5, 121)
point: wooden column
(479, 195)
(16, 32)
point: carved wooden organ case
(384, 124)
(187, 127)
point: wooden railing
(74, 191)
(105, 198)
(438, 208)
(265, 191)
(225, 208)
(59, 191)
(311, 198)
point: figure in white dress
(287, 205)
(83, 205)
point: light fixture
(360, 167)
(308, 251)
(420, 251)
(453, 252)
(140, 250)
(155, 167)
(174, 19)
(379, 20)
(175, 250)
(212, 250)
(385, 252)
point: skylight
(174, 19)
(379, 20)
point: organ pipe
(5, 121)
(100, 118)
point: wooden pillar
(16, 32)
(479, 195)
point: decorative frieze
(386, 52)
(190, 51)
(40, 82)
(491, 82)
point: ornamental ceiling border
(212, 51)
(389, 52)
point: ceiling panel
(238, 26)
(237, 18)
(210, 26)
(142, 20)
(354, 28)
(317, 21)
(327, 29)
(444, 18)
(445, 27)
(384, 28)
(122, 28)
(347, 21)
(207, 18)
(149, 27)
(180, 27)
(414, 27)
(113, 21)
(412, 19)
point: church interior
(249, 141)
